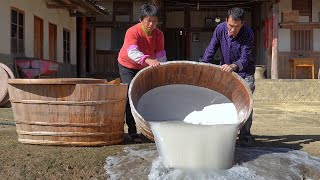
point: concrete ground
(277, 123)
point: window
(66, 46)
(302, 40)
(17, 32)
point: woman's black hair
(236, 13)
(148, 10)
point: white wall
(5, 27)
(315, 10)
(284, 40)
(103, 38)
(37, 8)
(316, 40)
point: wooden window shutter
(302, 40)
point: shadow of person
(272, 144)
(286, 141)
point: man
(235, 39)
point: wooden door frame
(41, 37)
(55, 41)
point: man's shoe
(246, 140)
(135, 138)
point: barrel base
(62, 143)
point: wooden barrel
(5, 74)
(76, 112)
(191, 73)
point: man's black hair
(236, 13)
(148, 10)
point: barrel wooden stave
(69, 114)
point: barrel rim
(5, 99)
(4, 90)
(57, 81)
(149, 68)
(8, 70)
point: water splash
(250, 163)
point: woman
(143, 46)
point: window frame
(18, 51)
(66, 59)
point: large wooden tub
(76, 112)
(192, 73)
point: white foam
(218, 114)
(251, 163)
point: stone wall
(285, 90)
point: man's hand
(229, 67)
(152, 62)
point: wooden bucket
(5, 74)
(76, 112)
(191, 73)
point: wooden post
(274, 59)
(187, 20)
(83, 51)
(92, 49)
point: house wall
(104, 34)
(175, 20)
(284, 34)
(285, 40)
(315, 11)
(37, 8)
(103, 38)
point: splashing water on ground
(250, 163)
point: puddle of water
(250, 163)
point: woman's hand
(152, 62)
(229, 67)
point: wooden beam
(61, 6)
(300, 25)
(275, 41)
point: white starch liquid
(194, 127)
